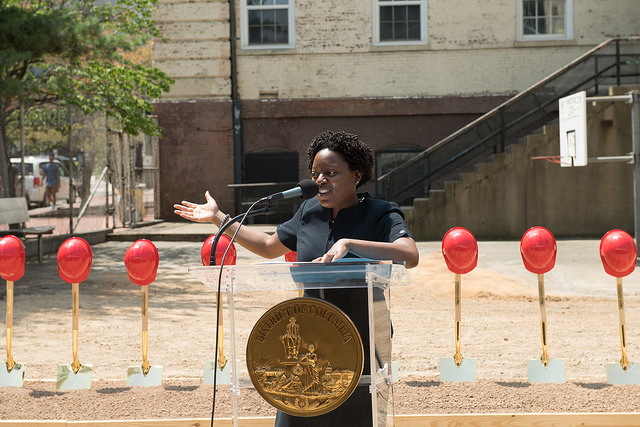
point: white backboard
(573, 130)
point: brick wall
(196, 153)
(196, 149)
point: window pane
(282, 35)
(414, 13)
(254, 18)
(386, 31)
(282, 26)
(413, 31)
(254, 2)
(268, 18)
(529, 8)
(529, 26)
(400, 13)
(558, 8)
(268, 35)
(558, 26)
(542, 26)
(255, 35)
(281, 17)
(400, 31)
(386, 14)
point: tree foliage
(56, 53)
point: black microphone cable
(309, 189)
(218, 303)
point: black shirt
(311, 233)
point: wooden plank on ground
(521, 420)
(200, 422)
(441, 420)
(34, 423)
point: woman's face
(336, 181)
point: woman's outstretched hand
(198, 213)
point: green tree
(76, 53)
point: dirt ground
(500, 329)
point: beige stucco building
(401, 74)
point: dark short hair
(358, 155)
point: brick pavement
(94, 217)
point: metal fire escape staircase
(615, 62)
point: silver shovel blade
(552, 373)
(466, 372)
(68, 380)
(14, 377)
(617, 375)
(223, 376)
(136, 376)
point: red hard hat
(74, 260)
(11, 258)
(618, 253)
(221, 247)
(460, 250)
(538, 249)
(141, 260)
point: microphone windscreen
(309, 188)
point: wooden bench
(13, 210)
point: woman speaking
(338, 223)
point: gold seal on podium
(305, 357)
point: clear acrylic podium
(254, 288)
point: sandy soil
(500, 329)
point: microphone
(305, 189)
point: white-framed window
(545, 20)
(267, 24)
(399, 22)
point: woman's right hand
(198, 213)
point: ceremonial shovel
(141, 261)
(619, 253)
(223, 373)
(223, 376)
(11, 269)
(538, 249)
(74, 262)
(460, 251)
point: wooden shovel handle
(222, 361)
(543, 320)
(75, 313)
(10, 361)
(457, 358)
(624, 361)
(145, 329)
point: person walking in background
(51, 174)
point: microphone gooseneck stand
(269, 209)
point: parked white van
(34, 182)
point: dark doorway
(271, 170)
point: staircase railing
(615, 62)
